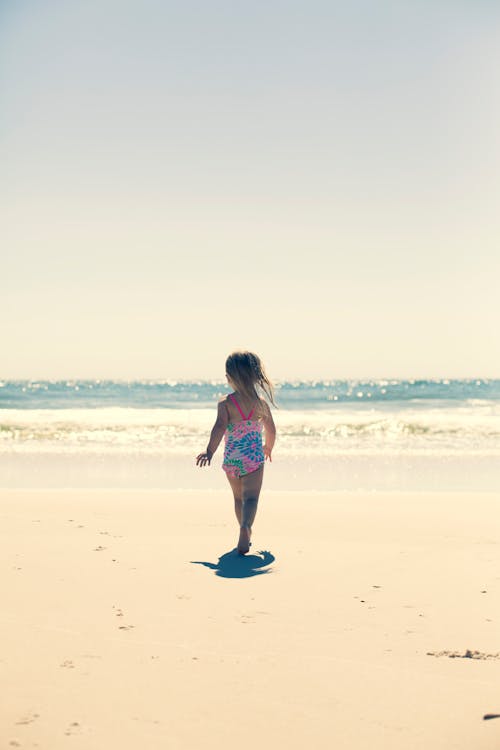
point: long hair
(247, 373)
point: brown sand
(356, 636)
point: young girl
(241, 418)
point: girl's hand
(267, 453)
(203, 458)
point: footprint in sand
(250, 618)
(29, 719)
(74, 728)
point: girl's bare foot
(244, 540)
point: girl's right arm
(216, 435)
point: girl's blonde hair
(247, 373)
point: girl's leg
(236, 486)
(251, 486)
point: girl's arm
(216, 435)
(269, 432)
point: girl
(241, 417)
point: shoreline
(225, 490)
(399, 473)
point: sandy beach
(358, 620)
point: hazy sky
(316, 181)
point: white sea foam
(469, 428)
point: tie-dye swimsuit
(243, 452)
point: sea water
(391, 434)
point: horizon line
(218, 380)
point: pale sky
(315, 181)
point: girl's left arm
(269, 432)
(216, 435)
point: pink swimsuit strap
(239, 408)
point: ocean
(441, 434)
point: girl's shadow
(234, 565)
